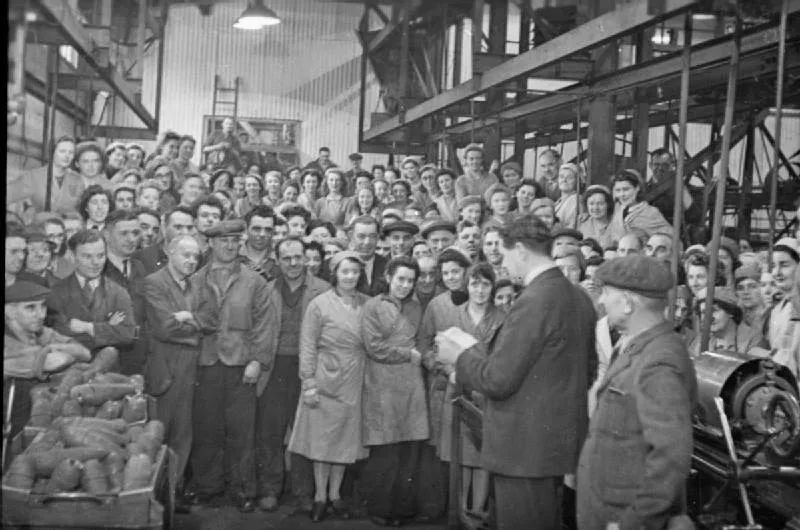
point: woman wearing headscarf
(327, 427)
(568, 206)
(395, 417)
(631, 213)
(441, 314)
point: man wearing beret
(235, 318)
(31, 351)
(536, 381)
(439, 234)
(637, 456)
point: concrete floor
(228, 518)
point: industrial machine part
(760, 456)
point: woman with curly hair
(94, 206)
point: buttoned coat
(394, 408)
(636, 459)
(541, 366)
(166, 337)
(236, 318)
(67, 301)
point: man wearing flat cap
(349, 184)
(535, 380)
(439, 234)
(235, 319)
(400, 235)
(566, 237)
(31, 351)
(636, 459)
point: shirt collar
(182, 283)
(117, 261)
(537, 271)
(94, 283)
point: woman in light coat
(327, 427)
(395, 417)
(631, 213)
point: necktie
(125, 269)
(88, 291)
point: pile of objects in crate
(89, 438)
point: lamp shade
(256, 16)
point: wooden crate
(145, 508)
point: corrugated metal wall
(307, 69)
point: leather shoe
(268, 503)
(339, 509)
(245, 505)
(382, 521)
(318, 511)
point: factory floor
(228, 518)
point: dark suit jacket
(152, 258)
(166, 336)
(67, 301)
(536, 380)
(132, 284)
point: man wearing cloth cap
(634, 464)
(236, 319)
(30, 350)
(566, 237)
(535, 380)
(400, 235)
(349, 184)
(783, 329)
(439, 234)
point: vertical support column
(160, 67)
(640, 129)
(745, 211)
(363, 27)
(140, 38)
(519, 125)
(601, 163)
(51, 109)
(730, 103)
(498, 28)
(776, 161)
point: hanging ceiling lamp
(256, 16)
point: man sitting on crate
(31, 351)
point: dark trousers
(528, 502)
(434, 477)
(391, 478)
(176, 404)
(21, 407)
(224, 422)
(275, 411)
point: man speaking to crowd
(536, 381)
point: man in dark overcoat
(536, 379)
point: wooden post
(773, 192)
(683, 118)
(640, 127)
(730, 103)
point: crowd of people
(298, 327)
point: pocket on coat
(616, 413)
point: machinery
(747, 442)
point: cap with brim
(567, 232)
(468, 200)
(433, 225)
(232, 227)
(38, 236)
(630, 175)
(399, 226)
(392, 213)
(750, 271)
(725, 299)
(356, 156)
(790, 246)
(639, 274)
(24, 291)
